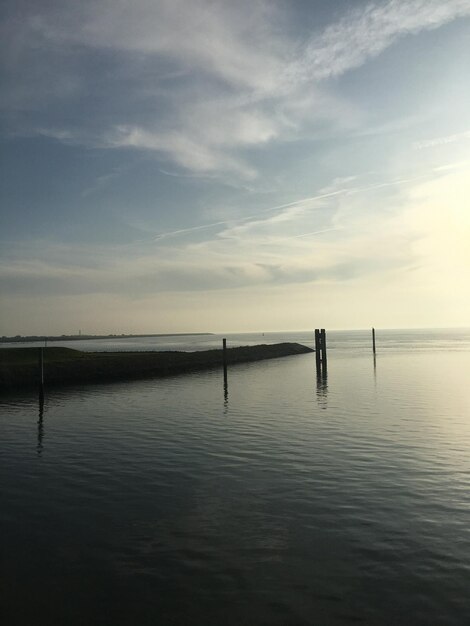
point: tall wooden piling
(373, 340)
(224, 358)
(317, 349)
(41, 373)
(320, 351)
(224, 352)
(323, 351)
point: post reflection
(322, 389)
(40, 424)
(225, 391)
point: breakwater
(62, 366)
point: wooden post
(224, 357)
(323, 351)
(373, 340)
(41, 373)
(318, 350)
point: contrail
(278, 207)
(241, 220)
(331, 194)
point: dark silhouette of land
(31, 338)
(19, 366)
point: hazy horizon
(86, 334)
(172, 166)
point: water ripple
(277, 500)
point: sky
(214, 166)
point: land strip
(64, 366)
(43, 338)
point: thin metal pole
(373, 340)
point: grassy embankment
(19, 366)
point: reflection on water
(40, 423)
(225, 391)
(322, 388)
(307, 506)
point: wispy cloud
(180, 147)
(309, 240)
(282, 213)
(367, 31)
(440, 141)
(412, 254)
(195, 82)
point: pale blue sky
(178, 165)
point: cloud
(136, 281)
(440, 141)
(181, 148)
(411, 255)
(238, 228)
(233, 42)
(307, 241)
(366, 32)
(196, 83)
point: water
(278, 499)
(350, 341)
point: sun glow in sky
(189, 165)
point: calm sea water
(278, 499)
(349, 341)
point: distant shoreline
(38, 338)
(19, 367)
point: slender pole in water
(224, 355)
(373, 340)
(41, 372)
